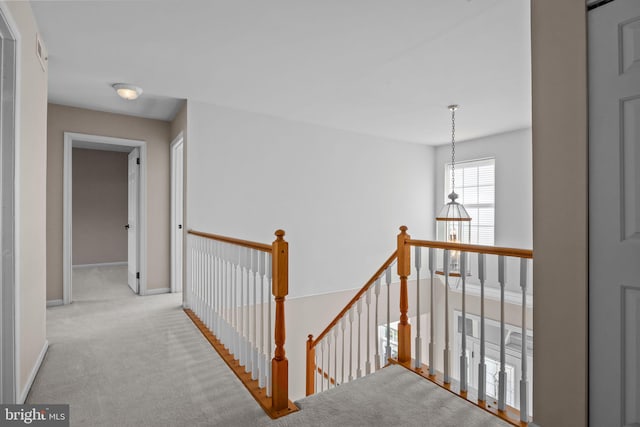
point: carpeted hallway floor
(123, 360)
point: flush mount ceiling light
(126, 91)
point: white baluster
(315, 372)
(524, 383)
(219, 290)
(200, 280)
(502, 376)
(328, 372)
(388, 280)
(241, 308)
(359, 308)
(432, 316)
(201, 268)
(376, 290)
(196, 278)
(368, 331)
(236, 335)
(225, 293)
(351, 344)
(214, 287)
(322, 365)
(209, 285)
(335, 354)
(229, 281)
(247, 312)
(254, 341)
(185, 301)
(447, 351)
(269, 267)
(263, 356)
(482, 367)
(418, 350)
(463, 355)
(343, 327)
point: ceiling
(378, 67)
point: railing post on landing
(280, 289)
(404, 270)
(311, 367)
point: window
(475, 185)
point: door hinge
(138, 161)
(138, 275)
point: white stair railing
(230, 288)
(349, 338)
(448, 287)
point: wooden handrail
(490, 250)
(246, 243)
(278, 403)
(312, 343)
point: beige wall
(560, 212)
(156, 133)
(100, 206)
(31, 166)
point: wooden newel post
(311, 367)
(404, 270)
(280, 289)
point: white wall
(514, 190)
(31, 166)
(340, 196)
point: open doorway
(177, 212)
(135, 224)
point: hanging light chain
(453, 147)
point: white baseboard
(34, 372)
(54, 302)
(102, 264)
(157, 291)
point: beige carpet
(123, 360)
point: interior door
(177, 213)
(132, 225)
(614, 214)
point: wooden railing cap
(279, 234)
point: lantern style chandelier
(453, 221)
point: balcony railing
(236, 291)
(364, 334)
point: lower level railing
(335, 357)
(235, 294)
(466, 296)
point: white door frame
(174, 144)
(9, 216)
(78, 140)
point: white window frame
(460, 185)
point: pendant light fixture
(453, 222)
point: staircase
(392, 396)
(375, 369)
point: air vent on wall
(41, 52)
